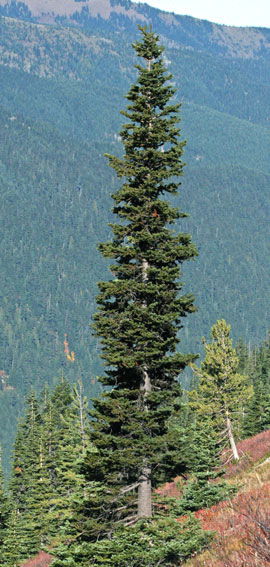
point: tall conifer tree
(140, 310)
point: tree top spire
(148, 47)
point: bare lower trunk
(145, 494)
(145, 485)
(231, 438)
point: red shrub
(41, 560)
(254, 508)
(243, 530)
(242, 525)
(171, 489)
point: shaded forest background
(61, 90)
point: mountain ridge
(233, 41)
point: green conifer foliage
(167, 542)
(13, 551)
(205, 486)
(42, 504)
(24, 524)
(4, 507)
(35, 483)
(140, 310)
(222, 392)
(256, 364)
(71, 485)
(28, 508)
(257, 414)
(243, 356)
(17, 485)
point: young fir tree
(29, 508)
(222, 393)
(257, 412)
(4, 506)
(140, 310)
(44, 494)
(42, 503)
(22, 537)
(14, 551)
(73, 441)
(205, 486)
(35, 483)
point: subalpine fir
(222, 394)
(141, 308)
(4, 506)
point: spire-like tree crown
(140, 310)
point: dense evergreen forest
(53, 498)
(57, 120)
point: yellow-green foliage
(222, 391)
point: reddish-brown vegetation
(41, 560)
(250, 525)
(171, 489)
(243, 528)
(243, 524)
(250, 450)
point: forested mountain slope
(61, 90)
(241, 524)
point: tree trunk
(145, 485)
(80, 400)
(231, 438)
(145, 494)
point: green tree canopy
(222, 391)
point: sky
(230, 12)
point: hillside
(242, 524)
(63, 75)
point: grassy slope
(238, 523)
(242, 525)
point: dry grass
(241, 42)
